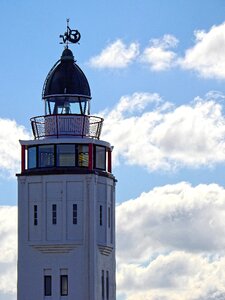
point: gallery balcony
(66, 125)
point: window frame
(107, 285)
(75, 219)
(54, 155)
(77, 156)
(101, 215)
(57, 155)
(103, 284)
(95, 158)
(109, 216)
(54, 214)
(62, 292)
(28, 157)
(47, 285)
(35, 215)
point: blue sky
(157, 75)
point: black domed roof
(66, 79)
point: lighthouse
(66, 194)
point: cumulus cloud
(149, 132)
(158, 55)
(174, 217)
(10, 134)
(207, 56)
(116, 55)
(175, 276)
(176, 249)
(8, 252)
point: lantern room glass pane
(66, 155)
(67, 105)
(100, 157)
(83, 157)
(49, 107)
(32, 157)
(46, 156)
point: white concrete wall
(81, 251)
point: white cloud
(207, 57)
(8, 252)
(10, 134)
(175, 250)
(116, 55)
(158, 56)
(165, 136)
(178, 217)
(175, 276)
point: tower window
(100, 157)
(64, 285)
(103, 285)
(109, 217)
(100, 215)
(83, 157)
(74, 214)
(47, 285)
(107, 285)
(54, 214)
(32, 157)
(66, 155)
(46, 156)
(35, 215)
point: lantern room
(66, 94)
(66, 89)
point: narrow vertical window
(47, 285)
(32, 157)
(35, 215)
(111, 229)
(100, 215)
(107, 285)
(74, 214)
(109, 217)
(103, 285)
(54, 214)
(100, 157)
(64, 285)
(83, 155)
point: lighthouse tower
(66, 195)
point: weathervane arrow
(72, 36)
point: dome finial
(70, 36)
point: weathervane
(70, 36)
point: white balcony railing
(70, 125)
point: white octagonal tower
(66, 197)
